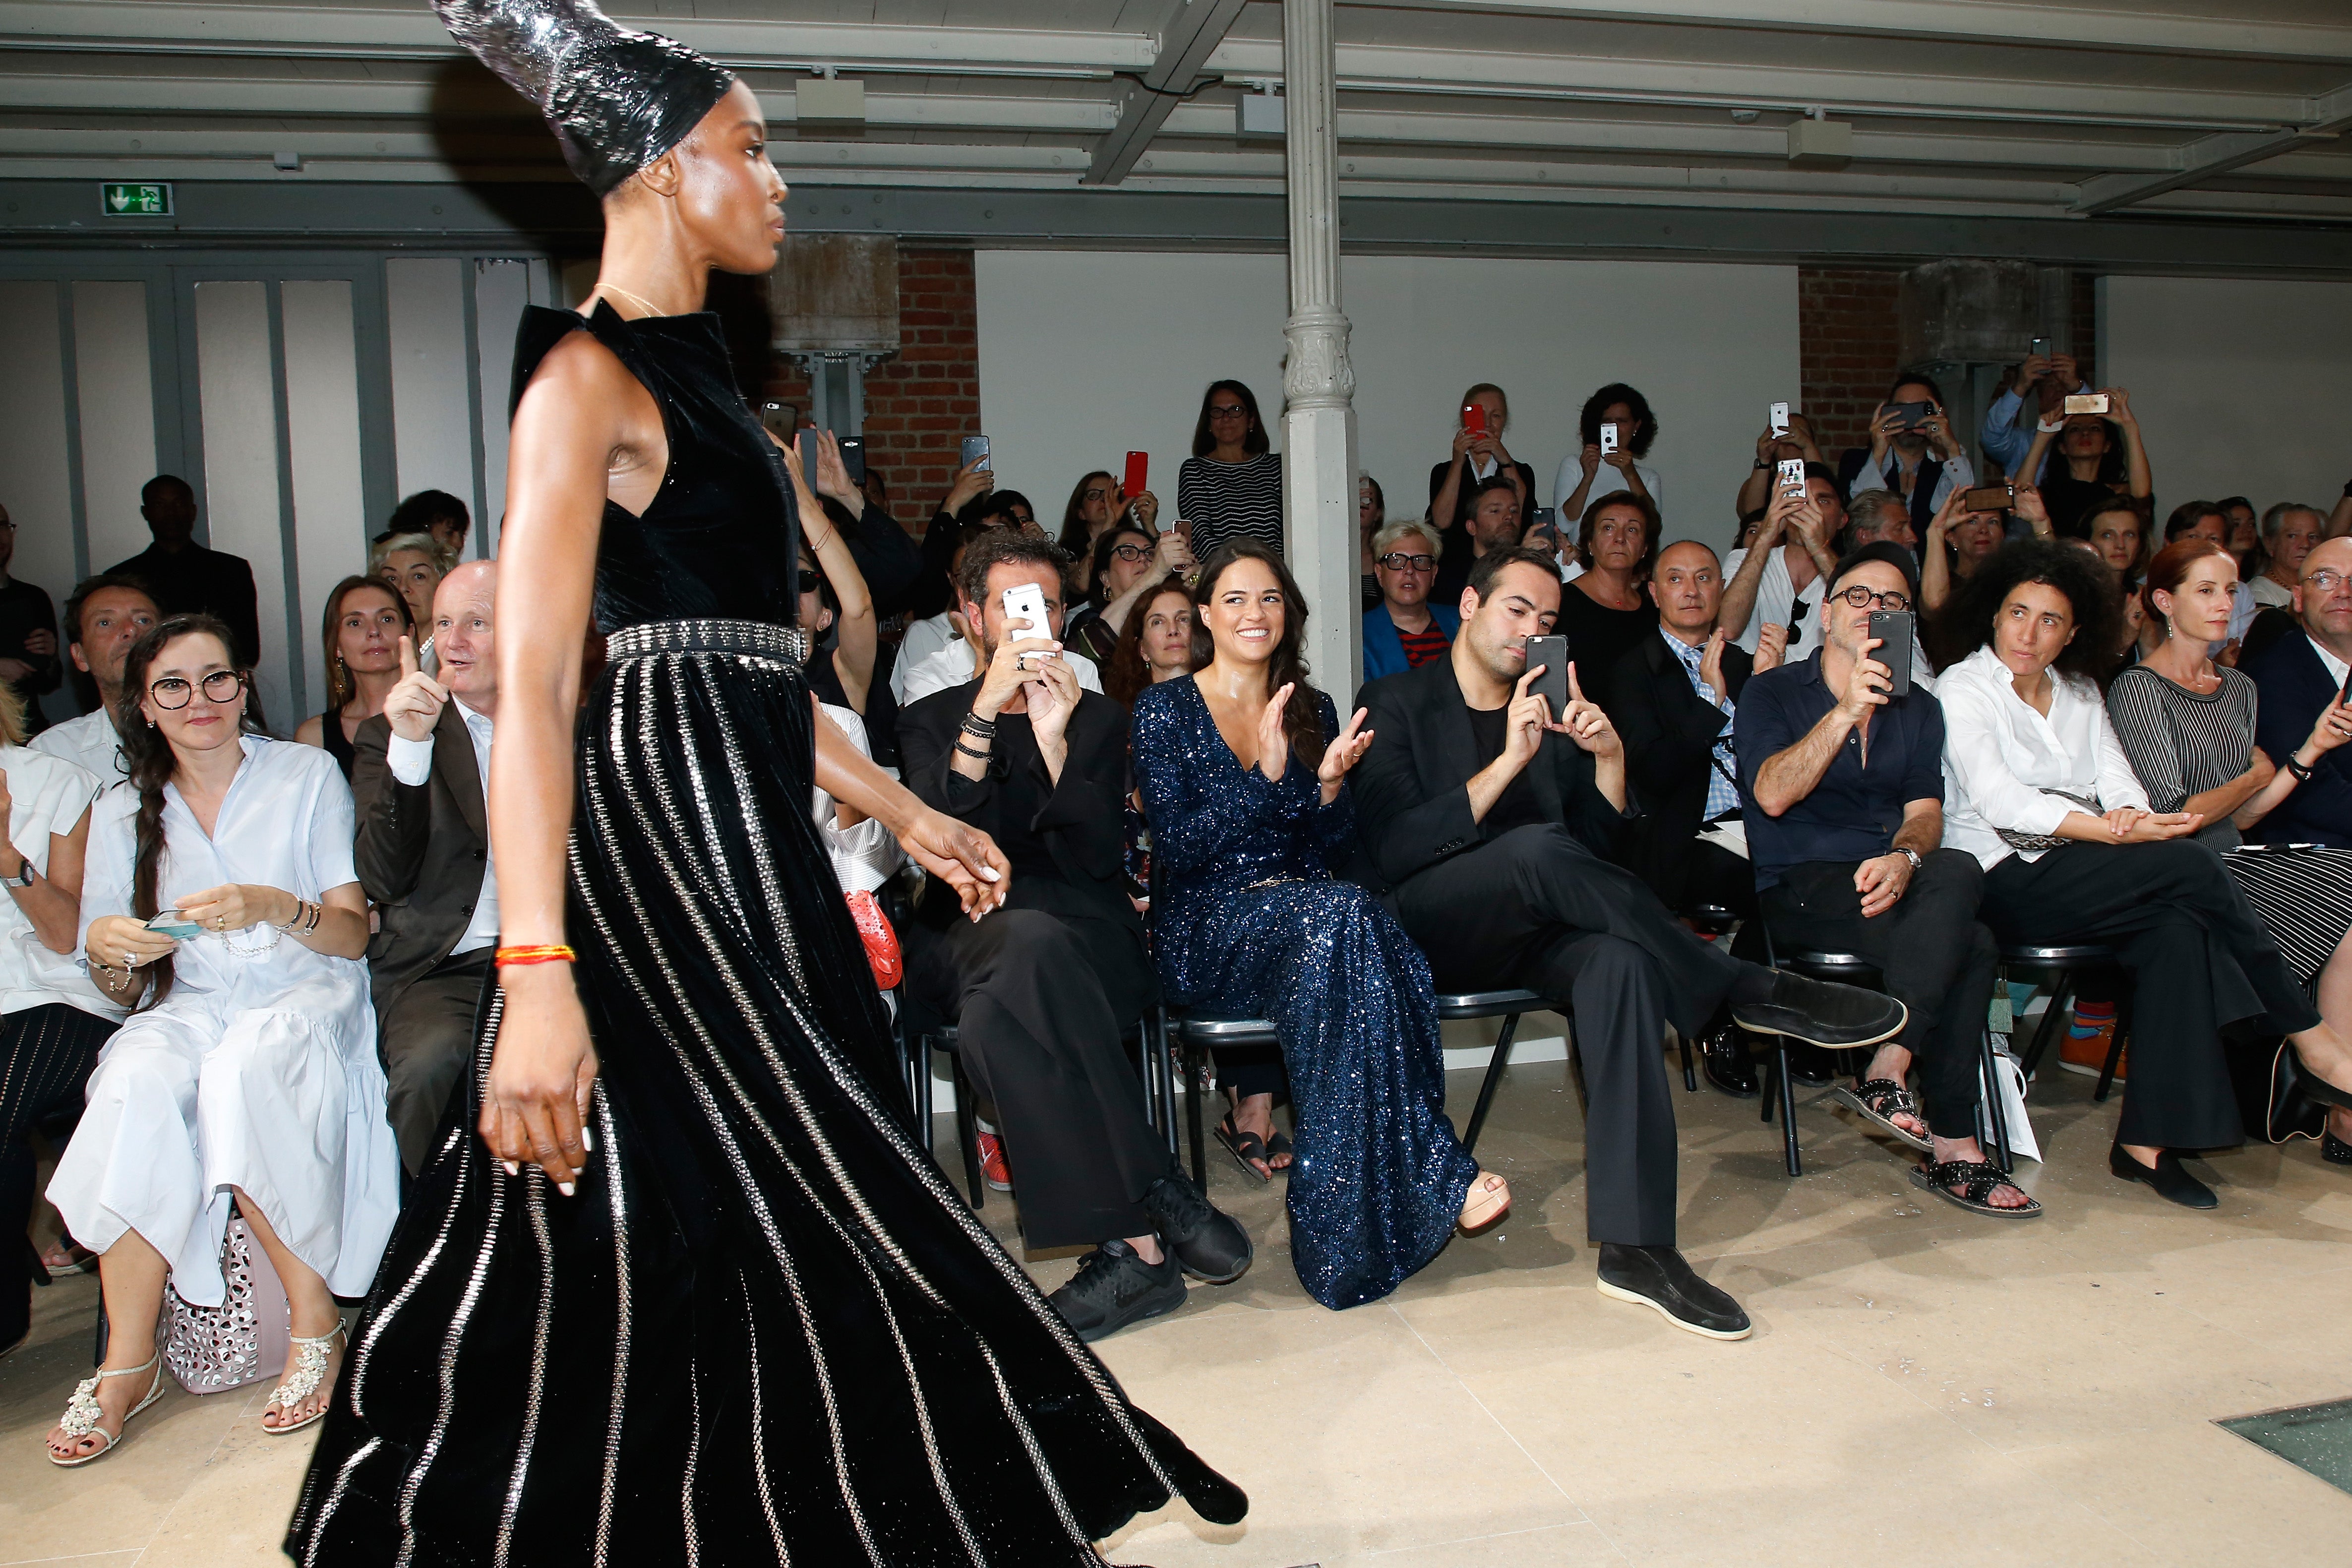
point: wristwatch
(24, 876)
(1910, 854)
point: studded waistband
(758, 638)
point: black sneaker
(1206, 1243)
(1723, 1056)
(1823, 1011)
(1114, 1287)
(1659, 1277)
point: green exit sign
(135, 199)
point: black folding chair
(2065, 966)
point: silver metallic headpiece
(616, 100)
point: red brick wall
(922, 402)
(1848, 338)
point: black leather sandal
(1245, 1147)
(1977, 1180)
(1278, 1147)
(1879, 1101)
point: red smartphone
(1474, 418)
(1138, 468)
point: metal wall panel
(117, 408)
(236, 378)
(331, 527)
(432, 403)
(36, 473)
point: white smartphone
(1792, 475)
(1780, 419)
(1609, 438)
(1024, 608)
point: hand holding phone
(171, 924)
(975, 451)
(1552, 685)
(1793, 476)
(1139, 470)
(1894, 628)
(1780, 419)
(1474, 418)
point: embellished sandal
(1247, 1149)
(1879, 1101)
(301, 1381)
(1978, 1180)
(82, 1413)
(1483, 1188)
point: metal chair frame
(2064, 965)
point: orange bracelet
(554, 953)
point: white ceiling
(2204, 108)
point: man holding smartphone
(1844, 811)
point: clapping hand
(1771, 647)
(1710, 666)
(413, 706)
(1346, 749)
(1273, 744)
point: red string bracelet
(554, 953)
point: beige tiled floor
(1922, 1382)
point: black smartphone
(2041, 349)
(1913, 415)
(1893, 630)
(1553, 684)
(2345, 695)
(781, 418)
(853, 457)
(808, 456)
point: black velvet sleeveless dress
(765, 1330)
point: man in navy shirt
(1843, 790)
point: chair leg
(1788, 1106)
(1690, 1070)
(968, 1137)
(1988, 1069)
(2117, 1039)
(1193, 1096)
(922, 1087)
(1161, 1077)
(2062, 988)
(1493, 1077)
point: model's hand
(1273, 745)
(118, 941)
(1865, 684)
(542, 1076)
(960, 855)
(1018, 662)
(1771, 648)
(413, 707)
(233, 906)
(1881, 882)
(1052, 698)
(972, 479)
(1586, 724)
(1346, 749)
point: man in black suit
(186, 578)
(1673, 697)
(1492, 830)
(1041, 989)
(2299, 676)
(423, 857)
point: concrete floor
(1922, 1385)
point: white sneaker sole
(1618, 1292)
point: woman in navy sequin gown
(1250, 920)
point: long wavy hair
(340, 686)
(1127, 673)
(151, 761)
(1302, 718)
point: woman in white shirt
(1580, 481)
(248, 1071)
(51, 1024)
(2040, 792)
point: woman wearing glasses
(247, 1070)
(1231, 487)
(1406, 629)
(1096, 502)
(2044, 796)
(1123, 565)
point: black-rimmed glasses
(1131, 552)
(1226, 411)
(1397, 561)
(174, 691)
(1861, 598)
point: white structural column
(1318, 423)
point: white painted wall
(1086, 354)
(2242, 386)
(433, 443)
(118, 418)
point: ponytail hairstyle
(1302, 715)
(151, 761)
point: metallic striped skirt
(765, 1330)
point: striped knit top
(1229, 500)
(2183, 743)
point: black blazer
(1083, 825)
(2292, 686)
(421, 850)
(1669, 737)
(1412, 805)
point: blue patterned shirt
(1722, 796)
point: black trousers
(46, 1055)
(1933, 955)
(1039, 1001)
(1536, 909)
(427, 1045)
(1716, 876)
(2200, 958)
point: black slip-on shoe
(1723, 1057)
(1661, 1278)
(1114, 1287)
(1822, 1013)
(2170, 1179)
(1206, 1243)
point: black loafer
(2170, 1179)
(1114, 1287)
(1660, 1277)
(1206, 1244)
(1723, 1056)
(1822, 1013)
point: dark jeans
(2200, 958)
(1933, 954)
(1536, 909)
(427, 1045)
(1038, 1001)
(46, 1055)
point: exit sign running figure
(135, 200)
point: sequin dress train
(1251, 922)
(765, 1331)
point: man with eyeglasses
(28, 635)
(2296, 679)
(1406, 629)
(1844, 814)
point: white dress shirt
(956, 664)
(410, 763)
(89, 744)
(2000, 755)
(923, 638)
(46, 795)
(864, 857)
(1776, 595)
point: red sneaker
(992, 1168)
